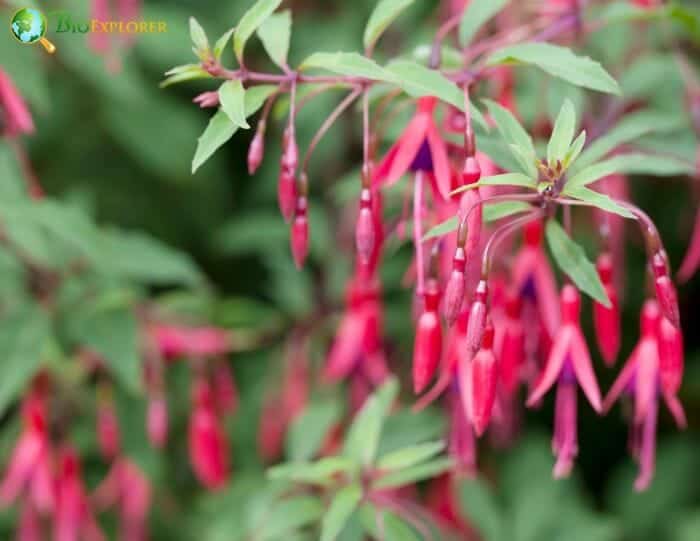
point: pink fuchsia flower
(512, 346)
(478, 380)
(691, 261)
(534, 280)
(127, 488)
(16, 118)
(606, 320)
(73, 518)
(175, 341)
(272, 428)
(286, 187)
(461, 439)
(299, 237)
(665, 289)
(671, 353)
(427, 349)
(29, 472)
(29, 527)
(207, 441)
(641, 378)
(568, 363)
(420, 148)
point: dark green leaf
(560, 62)
(476, 14)
(250, 22)
(385, 12)
(573, 261)
(408, 476)
(409, 456)
(275, 34)
(309, 430)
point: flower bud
(207, 99)
(290, 151)
(484, 374)
(533, 233)
(157, 421)
(207, 442)
(299, 239)
(477, 320)
(364, 230)
(256, 149)
(427, 349)
(665, 290)
(606, 321)
(570, 305)
(454, 292)
(671, 357)
(286, 193)
(513, 346)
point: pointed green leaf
(560, 62)
(385, 12)
(562, 134)
(220, 44)
(287, 516)
(350, 64)
(23, 336)
(600, 200)
(573, 261)
(630, 128)
(526, 161)
(275, 34)
(443, 228)
(343, 505)
(511, 130)
(480, 505)
(476, 14)
(250, 22)
(410, 456)
(232, 99)
(320, 472)
(419, 81)
(199, 39)
(575, 149)
(363, 435)
(382, 524)
(505, 179)
(414, 474)
(309, 429)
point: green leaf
(187, 72)
(560, 62)
(562, 134)
(477, 13)
(419, 81)
(504, 179)
(220, 128)
(23, 335)
(309, 430)
(232, 99)
(409, 456)
(350, 64)
(250, 22)
(199, 39)
(640, 164)
(382, 524)
(479, 504)
(419, 472)
(289, 515)
(363, 435)
(513, 134)
(343, 505)
(630, 128)
(598, 199)
(113, 333)
(573, 261)
(275, 34)
(575, 149)
(491, 213)
(320, 472)
(385, 12)
(221, 43)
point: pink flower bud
(472, 171)
(484, 374)
(290, 151)
(512, 346)
(671, 357)
(207, 440)
(570, 305)
(477, 320)
(607, 320)
(665, 290)
(299, 239)
(207, 99)
(286, 193)
(454, 292)
(273, 424)
(365, 228)
(427, 349)
(256, 150)
(157, 421)
(17, 118)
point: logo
(28, 26)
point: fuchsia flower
(209, 454)
(568, 363)
(16, 118)
(175, 341)
(127, 488)
(641, 378)
(512, 346)
(207, 99)
(478, 380)
(420, 148)
(427, 349)
(534, 279)
(607, 320)
(286, 187)
(157, 420)
(29, 471)
(299, 239)
(73, 518)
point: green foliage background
(119, 148)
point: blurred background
(110, 142)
